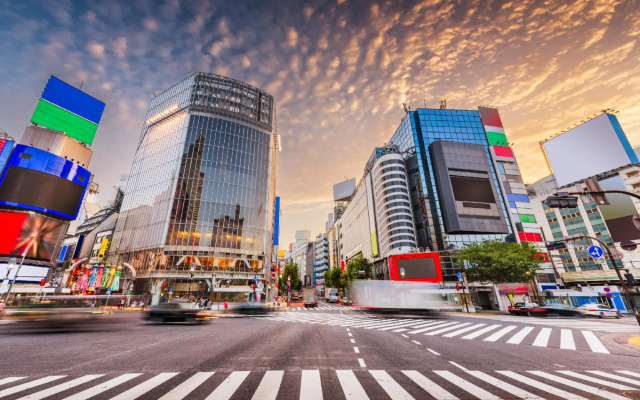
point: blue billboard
(276, 225)
(38, 180)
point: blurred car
(515, 308)
(250, 308)
(344, 301)
(551, 310)
(523, 308)
(176, 312)
(52, 316)
(334, 298)
(599, 310)
(295, 296)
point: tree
(328, 280)
(290, 270)
(359, 268)
(497, 262)
(337, 278)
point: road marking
(518, 337)
(425, 324)
(597, 380)
(466, 385)
(393, 389)
(228, 387)
(352, 340)
(269, 386)
(637, 375)
(541, 386)
(389, 325)
(542, 340)
(429, 386)
(29, 385)
(480, 332)
(450, 328)
(594, 343)
(102, 387)
(404, 335)
(348, 329)
(432, 327)
(350, 385)
(181, 391)
(416, 342)
(458, 365)
(400, 330)
(60, 388)
(434, 352)
(310, 385)
(361, 362)
(500, 334)
(558, 365)
(11, 379)
(507, 387)
(145, 386)
(616, 377)
(463, 330)
(357, 350)
(350, 334)
(579, 386)
(388, 328)
(566, 340)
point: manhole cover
(635, 394)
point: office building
(321, 259)
(200, 200)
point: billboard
(619, 214)
(422, 267)
(597, 146)
(344, 190)
(64, 108)
(21, 230)
(37, 180)
(276, 225)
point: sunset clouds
(340, 71)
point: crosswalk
(592, 324)
(561, 338)
(317, 384)
(321, 308)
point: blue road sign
(459, 275)
(108, 290)
(170, 290)
(595, 251)
(255, 279)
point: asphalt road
(335, 354)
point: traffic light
(630, 279)
(42, 281)
(458, 287)
(556, 245)
(562, 200)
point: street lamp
(402, 273)
(192, 269)
(11, 265)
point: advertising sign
(64, 108)
(5, 150)
(619, 214)
(37, 232)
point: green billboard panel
(53, 117)
(497, 139)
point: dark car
(344, 301)
(250, 308)
(176, 312)
(515, 308)
(553, 310)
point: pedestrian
(2, 305)
(142, 303)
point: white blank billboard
(588, 149)
(344, 189)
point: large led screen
(418, 268)
(597, 146)
(472, 189)
(56, 118)
(37, 232)
(618, 216)
(36, 190)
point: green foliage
(499, 262)
(359, 268)
(290, 270)
(337, 278)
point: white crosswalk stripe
(511, 334)
(353, 384)
(11, 379)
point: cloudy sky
(339, 69)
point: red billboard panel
(38, 233)
(418, 267)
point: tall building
(321, 258)
(201, 191)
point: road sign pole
(465, 286)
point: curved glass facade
(202, 184)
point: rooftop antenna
(425, 102)
(443, 104)
(81, 83)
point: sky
(340, 71)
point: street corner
(629, 342)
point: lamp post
(24, 254)
(11, 265)
(192, 269)
(289, 290)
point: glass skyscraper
(201, 190)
